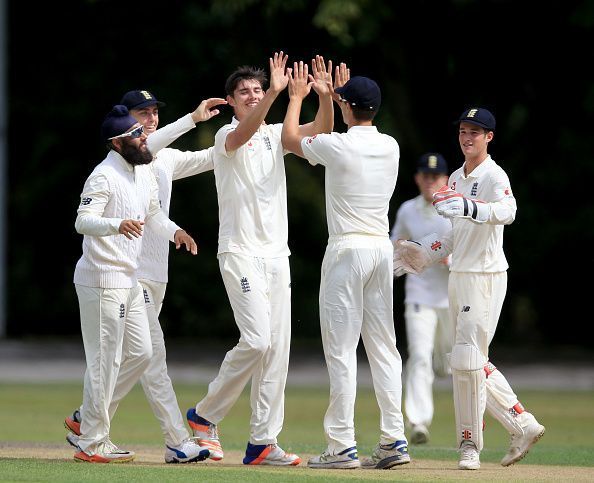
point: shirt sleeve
(94, 198)
(221, 138)
(156, 219)
(503, 207)
(189, 163)
(163, 137)
(317, 149)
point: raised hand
(279, 77)
(322, 76)
(205, 110)
(341, 75)
(300, 81)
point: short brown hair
(244, 72)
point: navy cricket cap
(117, 122)
(479, 116)
(361, 92)
(140, 99)
(432, 163)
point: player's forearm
(291, 137)
(189, 163)
(93, 225)
(502, 212)
(163, 137)
(162, 225)
(324, 120)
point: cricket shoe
(187, 452)
(521, 443)
(386, 456)
(106, 452)
(206, 434)
(269, 454)
(72, 440)
(72, 423)
(346, 459)
(469, 456)
(419, 434)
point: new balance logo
(473, 189)
(147, 299)
(466, 308)
(245, 285)
(122, 311)
(86, 201)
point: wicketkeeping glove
(414, 256)
(451, 204)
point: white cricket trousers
(476, 300)
(356, 301)
(430, 335)
(259, 290)
(155, 380)
(114, 328)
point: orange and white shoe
(72, 423)
(106, 452)
(269, 454)
(206, 434)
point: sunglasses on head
(135, 133)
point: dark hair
(362, 114)
(242, 73)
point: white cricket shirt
(361, 171)
(168, 165)
(252, 193)
(113, 192)
(478, 247)
(415, 219)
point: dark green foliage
(68, 65)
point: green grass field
(31, 416)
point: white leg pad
(469, 393)
(508, 420)
(501, 400)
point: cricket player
(429, 327)
(356, 298)
(168, 165)
(479, 202)
(119, 197)
(253, 258)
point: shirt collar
(481, 168)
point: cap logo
(432, 162)
(472, 113)
(146, 94)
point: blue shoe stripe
(191, 415)
(401, 446)
(350, 452)
(252, 452)
(178, 453)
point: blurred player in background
(429, 327)
(479, 202)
